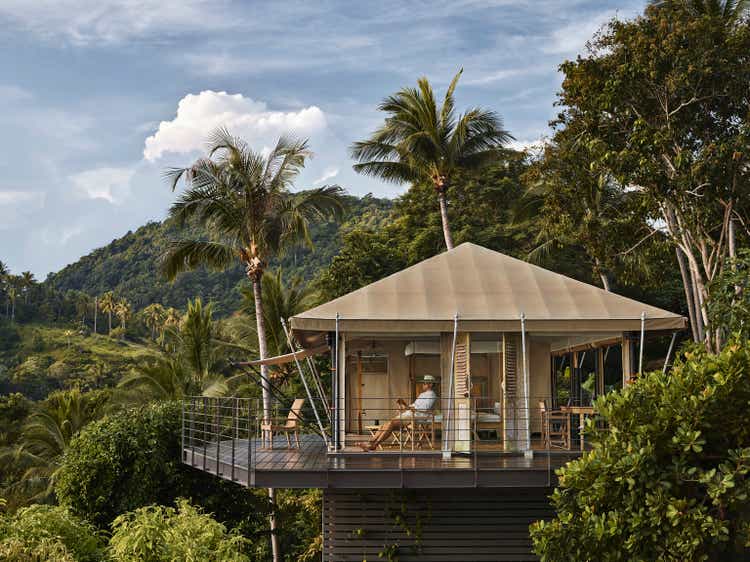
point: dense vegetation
(129, 266)
(642, 189)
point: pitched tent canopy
(489, 291)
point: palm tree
(190, 370)
(154, 317)
(280, 301)
(242, 199)
(172, 319)
(46, 437)
(123, 312)
(108, 304)
(83, 302)
(4, 275)
(27, 282)
(12, 296)
(420, 141)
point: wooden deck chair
(554, 427)
(290, 427)
(422, 431)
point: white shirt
(425, 401)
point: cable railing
(234, 439)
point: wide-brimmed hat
(428, 378)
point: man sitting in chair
(420, 408)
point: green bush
(157, 533)
(45, 532)
(668, 480)
(131, 459)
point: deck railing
(229, 436)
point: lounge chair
(290, 427)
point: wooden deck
(245, 462)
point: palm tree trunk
(110, 322)
(444, 218)
(263, 352)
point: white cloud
(199, 114)
(571, 39)
(112, 21)
(15, 197)
(329, 173)
(507, 74)
(19, 207)
(109, 184)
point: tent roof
(489, 291)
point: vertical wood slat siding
(466, 525)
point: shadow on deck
(246, 462)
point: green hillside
(37, 359)
(129, 265)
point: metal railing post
(217, 431)
(205, 435)
(234, 433)
(183, 456)
(192, 431)
(640, 351)
(250, 440)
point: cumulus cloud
(113, 21)
(199, 114)
(110, 184)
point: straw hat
(428, 379)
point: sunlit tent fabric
(489, 291)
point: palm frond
(184, 255)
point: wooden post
(360, 384)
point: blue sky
(98, 97)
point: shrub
(45, 532)
(158, 533)
(131, 459)
(669, 479)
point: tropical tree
(281, 301)
(571, 201)
(4, 274)
(108, 304)
(420, 141)
(123, 312)
(243, 200)
(669, 477)
(27, 282)
(46, 436)
(12, 296)
(83, 303)
(664, 98)
(187, 371)
(154, 315)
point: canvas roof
(489, 291)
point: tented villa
(468, 370)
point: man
(420, 408)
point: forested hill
(128, 266)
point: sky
(99, 97)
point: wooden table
(581, 412)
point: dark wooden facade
(466, 525)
